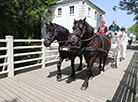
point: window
(89, 10)
(95, 15)
(71, 10)
(59, 11)
(101, 18)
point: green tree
(22, 18)
(131, 6)
(134, 29)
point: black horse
(98, 46)
(61, 34)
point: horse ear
(51, 23)
(74, 21)
(46, 24)
(84, 19)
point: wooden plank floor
(41, 86)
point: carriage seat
(115, 39)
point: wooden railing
(45, 56)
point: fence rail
(27, 40)
(29, 53)
(26, 47)
(3, 48)
(45, 55)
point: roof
(128, 32)
(63, 1)
(95, 6)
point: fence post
(10, 55)
(43, 54)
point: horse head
(51, 34)
(79, 30)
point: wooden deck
(41, 86)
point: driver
(102, 29)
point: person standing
(102, 29)
(130, 42)
(114, 27)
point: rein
(92, 38)
(87, 48)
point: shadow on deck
(127, 89)
(78, 75)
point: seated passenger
(102, 29)
(114, 27)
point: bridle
(90, 40)
(80, 36)
(52, 37)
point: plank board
(116, 85)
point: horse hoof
(102, 73)
(84, 86)
(116, 66)
(72, 75)
(59, 78)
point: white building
(65, 11)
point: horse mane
(89, 27)
(61, 29)
(86, 24)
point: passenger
(130, 42)
(102, 29)
(123, 29)
(114, 27)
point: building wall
(94, 22)
(66, 19)
(80, 11)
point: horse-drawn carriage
(84, 42)
(118, 47)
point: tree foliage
(131, 6)
(134, 29)
(22, 18)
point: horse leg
(80, 66)
(104, 62)
(89, 73)
(59, 69)
(72, 65)
(100, 62)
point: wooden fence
(46, 55)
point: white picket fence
(43, 59)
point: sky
(120, 16)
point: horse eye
(52, 29)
